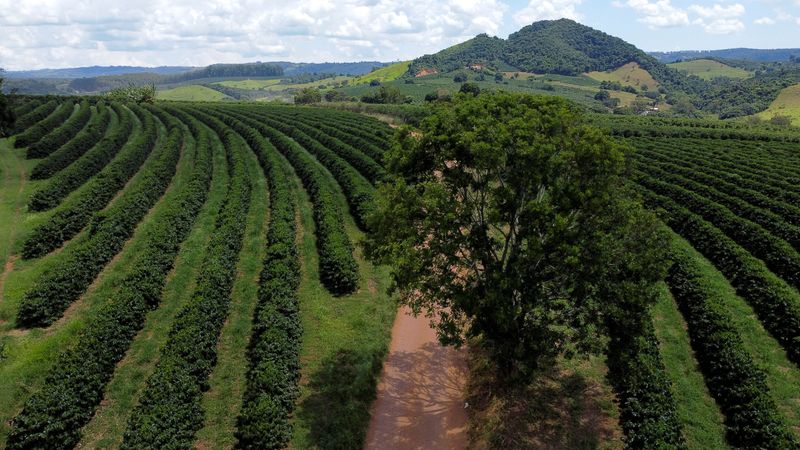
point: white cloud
(718, 11)
(547, 9)
(60, 33)
(721, 26)
(764, 21)
(719, 18)
(658, 13)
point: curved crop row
(764, 217)
(170, 411)
(367, 166)
(53, 417)
(359, 193)
(61, 135)
(37, 115)
(108, 232)
(76, 147)
(778, 255)
(737, 184)
(88, 165)
(737, 384)
(273, 352)
(338, 270)
(647, 408)
(343, 134)
(27, 105)
(775, 302)
(70, 219)
(45, 126)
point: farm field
(191, 276)
(192, 93)
(709, 69)
(787, 104)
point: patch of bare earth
(420, 402)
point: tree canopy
(508, 218)
(6, 114)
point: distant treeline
(227, 71)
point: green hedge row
(30, 119)
(170, 412)
(108, 232)
(776, 200)
(61, 135)
(776, 303)
(360, 194)
(732, 377)
(76, 147)
(338, 270)
(87, 166)
(647, 407)
(273, 352)
(72, 217)
(778, 255)
(42, 128)
(357, 143)
(767, 219)
(26, 105)
(53, 417)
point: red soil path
(420, 402)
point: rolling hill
(709, 69)
(562, 47)
(746, 54)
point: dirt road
(420, 402)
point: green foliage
(336, 96)
(307, 95)
(738, 385)
(75, 147)
(775, 302)
(53, 417)
(133, 94)
(337, 266)
(107, 233)
(169, 411)
(386, 95)
(7, 115)
(470, 88)
(30, 119)
(58, 137)
(35, 133)
(273, 352)
(504, 218)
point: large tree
(6, 114)
(508, 218)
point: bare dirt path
(420, 402)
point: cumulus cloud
(764, 21)
(59, 33)
(658, 13)
(719, 18)
(548, 9)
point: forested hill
(562, 47)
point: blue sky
(58, 33)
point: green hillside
(709, 69)
(388, 73)
(192, 93)
(787, 104)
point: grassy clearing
(192, 93)
(311, 84)
(253, 85)
(106, 428)
(783, 377)
(344, 342)
(570, 406)
(388, 73)
(708, 69)
(630, 74)
(223, 400)
(698, 413)
(787, 104)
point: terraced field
(172, 273)
(187, 275)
